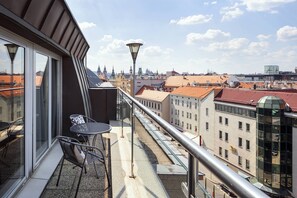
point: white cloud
(106, 38)
(210, 3)
(263, 37)
(192, 20)
(153, 51)
(257, 48)
(210, 34)
(234, 44)
(287, 33)
(230, 13)
(86, 25)
(265, 5)
(117, 46)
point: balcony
(150, 163)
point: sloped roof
(195, 92)
(157, 96)
(177, 81)
(251, 97)
(144, 87)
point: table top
(91, 128)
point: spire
(99, 70)
(112, 73)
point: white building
(156, 101)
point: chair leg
(96, 170)
(79, 181)
(60, 172)
(102, 142)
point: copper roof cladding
(153, 95)
(48, 23)
(177, 81)
(251, 97)
(195, 92)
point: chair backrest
(77, 119)
(72, 150)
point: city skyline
(237, 36)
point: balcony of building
(150, 162)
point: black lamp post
(134, 48)
(12, 50)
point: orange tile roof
(177, 81)
(158, 96)
(195, 92)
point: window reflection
(11, 114)
(42, 101)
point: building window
(226, 153)
(182, 113)
(171, 101)
(240, 142)
(220, 135)
(187, 126)
(226, 137)
(206, 111)
(220, 151)
(240, 125)
(247, 145)
(195, 117)
(226, 121)
(182, 103)
(190, 115)
(247, 127)
(247, 164)
(182, 124)
(190, 126)
(187, 115)
(158, 106)
(220, 119)
(195, 105)
(239, 160)
(206, 126)
(195, 128)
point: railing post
(132, 141)
(191, 176)
(122, 114)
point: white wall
(233, 135)
(208, 136)
(294, 165)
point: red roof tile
(251, 97)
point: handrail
(235, 182)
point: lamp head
(12, 50)
(134, 48)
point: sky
(194, 36)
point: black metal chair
(80, 119)
(80, 155)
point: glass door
(42, 103)
(12, 130)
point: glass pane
(55, 111)
(12, 151)
(42, 95)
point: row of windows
(236, 110)
(150, 104)
(183, 103)
(188, 126)
(188, 115)
(240, 142)
(226, 155)
(240, 125)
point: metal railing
(235, 182)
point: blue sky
(232, 36)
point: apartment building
(253, 136)
(185, 108)
(156, 101)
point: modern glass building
(274, 145)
